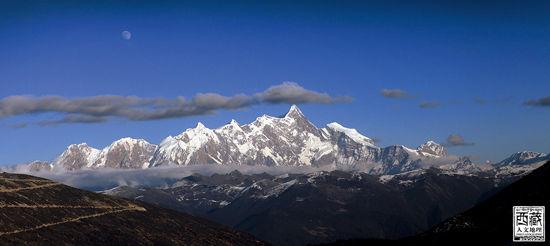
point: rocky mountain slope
(300, 209)
(491, 220)
(123, 153)
(319, 207)
(39, 211)
(488, 223)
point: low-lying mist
(108, 178)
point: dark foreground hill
(491, 221)
(39, 211)
(488, 223)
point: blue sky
(477, 63)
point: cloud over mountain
(101, 108)
(456, 140)
(293, 93)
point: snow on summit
(290, 140)
(352, 133)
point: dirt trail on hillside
(28, 188)
(26, 180)
(48, 183)
(129, 208)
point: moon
(126, 35)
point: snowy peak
(432, 148)
(80, 146)
(523, 158)
(77, 156)
(290, 140)
(233, 122)
(294, 112)
(293, 117)
(126, 153)
(128, 143)
(230, 128)
(200, 131)
(200, 126)
(462, 166)
(37, 166)
(197, 129)
(81, 149)
(193, 146)
(351, 133)
(123, 153)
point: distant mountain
(36, 166)
(300, 209)
(290, 140)
(395, 191)
(271, 141)
(520, 163)
(123, 153)
(39, 211)
(77, 156)
(523, 158)
(432, 148)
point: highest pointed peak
(294, 112)
(233, 122)
(200, 125)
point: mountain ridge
(289, 140)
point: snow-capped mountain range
(123, 153)
(291, 140)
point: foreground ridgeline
(39, 211)
(290, 140)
